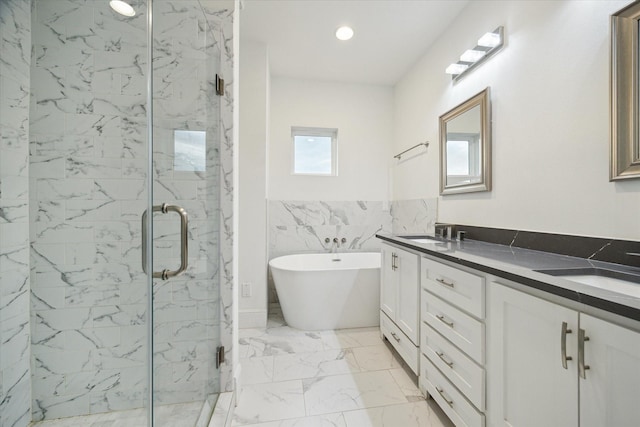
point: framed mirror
(465, 146)
(625, 93)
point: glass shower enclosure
(109, 211)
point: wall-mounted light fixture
(487, 45)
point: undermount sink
(422, 239)
(425, 241)
(615, 281)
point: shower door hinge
(219, 85)
(220, 356)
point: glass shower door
(186, 110)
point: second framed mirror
(465, 146)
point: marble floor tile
(349, 338)
(269, 402)
(407, 385)
(375, 358)
(415, 414)
(281, 341)
(257, 370)
(352, 391)
(326, 420)
(316, 364)
(182, 414)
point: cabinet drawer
(461, 329)
(455, 365)
(403, 345)
(452, 402)
(458, 287)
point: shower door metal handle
(184, 243)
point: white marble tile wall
(222, 12)
(88, 163)
(15, 44)
(188, 44)
(87, 191)
(414, 216)
(303, 226)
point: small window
(190, 153)
(314, 151)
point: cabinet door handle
(563, 345)
(395, 337)
(441, 392)
(445, 283)
(393, 261)
(582, 367)
(441, 356)
(445, 321)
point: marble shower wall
(303, 226)
(15, 378)
(414, 216)
(88, 170)
(187, 42)
(88, 163)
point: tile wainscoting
(302, 226)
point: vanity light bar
(487, 45)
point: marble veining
(15, 334)
(87, 165)
(352, 382)
(303, 226)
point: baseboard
(252, 319)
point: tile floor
(293, 378)
(346, 378)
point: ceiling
(390, 36)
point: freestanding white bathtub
(318, 293)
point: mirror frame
(483, 100)
(624, 94)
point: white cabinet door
(388, 282)
(610, 389)
(408, 294)
(529, 385)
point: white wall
(550, 96)
(254, 125)
(363, 115)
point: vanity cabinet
(452, 341)
(399, 296)
(554, 366)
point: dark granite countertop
(521, 265)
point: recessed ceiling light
(122, 7)
(344, 33)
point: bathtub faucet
(337, 242)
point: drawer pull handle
(441, 356)
(441, 392)
(444, 282)
(445, 321)
(395, 337)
